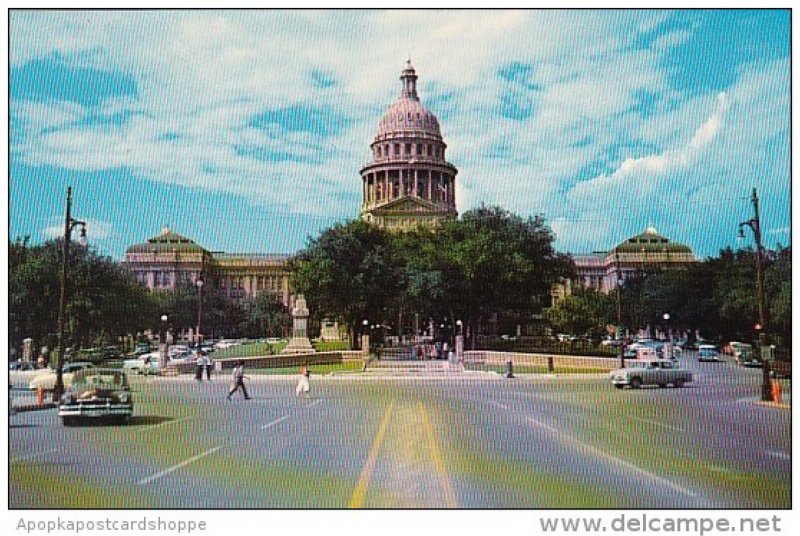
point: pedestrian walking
(209, 365)
(199, 365)
(238, 381)
(303, 385)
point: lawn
(262, 348)
(347, 366)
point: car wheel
(636, 383)
(618, 386)
(662, 385)
(68, 421)
(678, 383)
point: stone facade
(408, 182)
(604, 270)
(169, 260)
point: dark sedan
(97, 393)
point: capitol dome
(408, 182)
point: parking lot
(468, 441)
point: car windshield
(106, 379)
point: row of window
(422, 149)
(165, 280)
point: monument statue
(299, 343)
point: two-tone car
(661, 372)
(97, 393)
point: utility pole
(69, 224)
(761, 327)
(618, 284)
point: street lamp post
(669, 334)
(755, 225)
(365, 337)
(460, 340)
(162, 341)
(199, 284)
(69, 225)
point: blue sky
(245, 131)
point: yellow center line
(366, 473)
(444, 481)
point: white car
(144, 364)
(223, 344)
(47, 379)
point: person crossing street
(303, 384)
(238, 381)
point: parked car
(47, 379)
(742, 352)
(97, 393)
(661, 372)
(225, 343)
(707, 352)
(21, 365)
(144, 364)
(700, 342)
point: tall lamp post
(365, 337)
(755, 225)
(199, 284)
(669, 334)
(69, 225)
(162, 341)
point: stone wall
(271, 361)
(490, 357)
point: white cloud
(205, 75)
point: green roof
(167, 241)
(650, 242)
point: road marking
(32, 455)
(658, 423)
(366, 473)
(273, 423)
(444, 481)
(778, 454)
(165, 423)
(499, 405)
(612, 458)
(176, 467)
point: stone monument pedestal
(299, 343)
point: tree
(104, 301)
(352, 270)
(494, 261)
(263, 316)
(584, 312)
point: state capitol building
(407, 183)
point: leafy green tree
(352, 270)
(494, 261)
(265, 317)
(104, 301)
(584, 312)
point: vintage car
(707, 352)
(661, 372)
(46, 378)
(97, 393)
